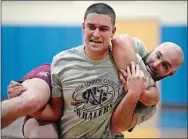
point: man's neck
(96, 55)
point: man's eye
(91, 27)
(165, 66)
(158, 57)
(103, 29)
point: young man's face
(98, 30)
(162, 62)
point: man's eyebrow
(160, 54)
(90, 24)
(103, 26)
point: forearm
(14, 108)
(150, 96)
(123, 115)
(47, 113)
(52, 111)
(9, 112)
(133, 122)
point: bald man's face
(162, 61)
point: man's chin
(96, 45)
(158, 78)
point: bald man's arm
(123, 50)
(151, 96)
(142, 114)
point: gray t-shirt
(91, 90)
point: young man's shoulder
(73, 50)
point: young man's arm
(52, 110)
(55, 104)
(136, 84)
(124, 51)
(122, 116)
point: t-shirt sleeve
(55, 77)
(140, 47)
(143, 113)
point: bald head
(164, 60)
(173, 49)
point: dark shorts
(41, 72)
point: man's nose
(157, 63)
(96, 33)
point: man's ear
(113, 32)
(83, 27)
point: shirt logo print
(42, 73)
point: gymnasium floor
(167, 123)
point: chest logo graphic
(95, 98)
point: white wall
(72, 12)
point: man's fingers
(13, 84)
(124, 73)
(133, 68)
(12, 89)
(19, 92)
(16, 92)
(128, 71)
(24, 89)
(137, 69)
(123, 81)
(121, 78)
